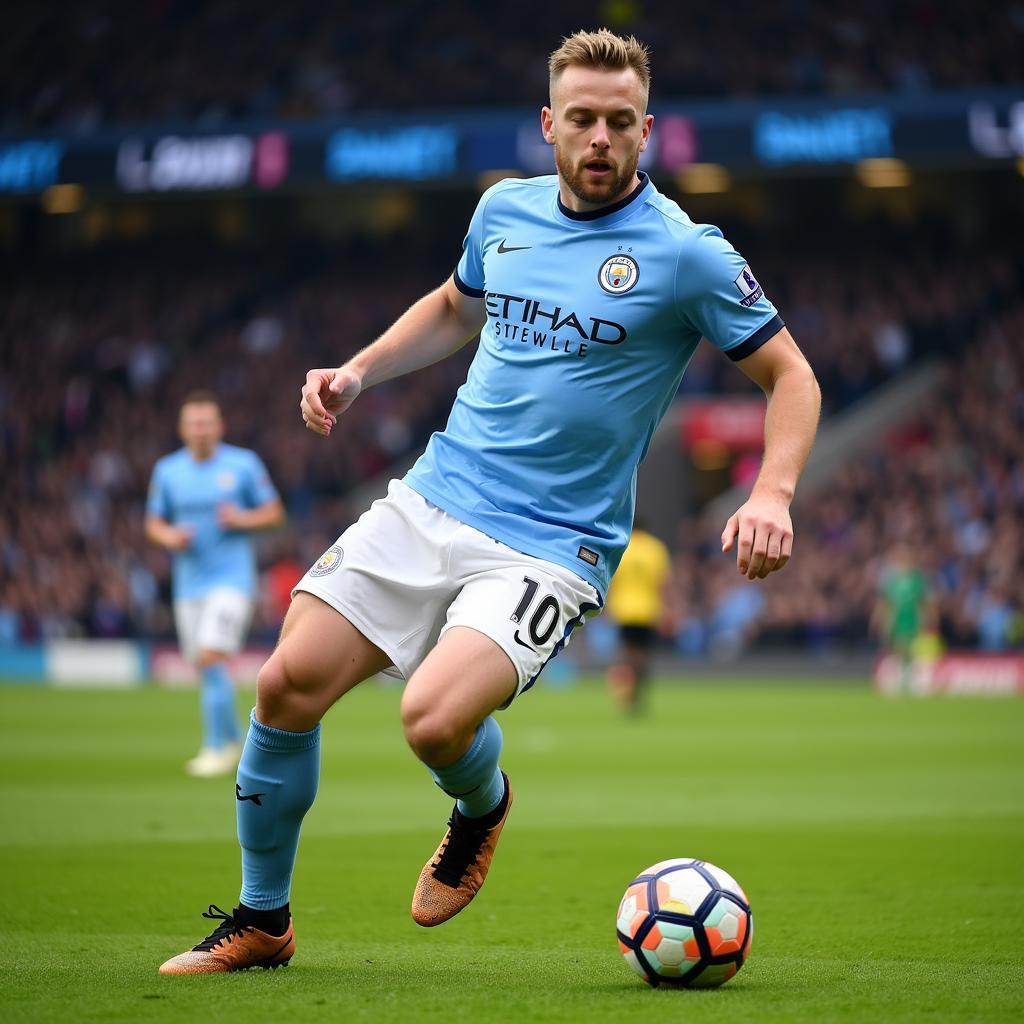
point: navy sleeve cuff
(764, 333)
(473, 293)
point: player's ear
(547, 125)
(648, 125)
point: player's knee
(276, 692)
(433, 735)
(206, 658)
(291, 693)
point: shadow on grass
(626, 989)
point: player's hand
(231, 517)
(326, 394)
(177, 538)
(762, 532)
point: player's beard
(599, 192)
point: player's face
(598, 127)
(200, 427)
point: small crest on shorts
(328, 561)
(750, 290)
(618, 274)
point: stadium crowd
(948, 485)
(79, 67)
(121, 345)
(96, 361)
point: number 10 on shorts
(545, 616)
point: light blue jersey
(591, 321)
(187, 492)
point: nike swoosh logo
(502, 247)
(522, 643)
(271, 961)
(458, 796)
(254, 797)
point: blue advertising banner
(962, 128)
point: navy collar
(605, 211)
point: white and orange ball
(685, 923)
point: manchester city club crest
(328, 561)
(618, 274)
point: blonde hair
(604, 50)
(200, 397)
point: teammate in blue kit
(590, 291)
(204, 499)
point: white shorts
(407, 572)
(217, 621)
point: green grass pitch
(881, 843)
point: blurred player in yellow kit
(636, 604)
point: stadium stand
(97, 351)
(98, 63)
(98, 358)
(949, 483)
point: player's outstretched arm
(761, 528)
(430, 330)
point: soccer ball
(685, 923)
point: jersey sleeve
(158, 501)
(258, 489)
(718, 296)
(469, 274)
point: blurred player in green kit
(902, 606)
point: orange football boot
(454, 875)
(233, 946)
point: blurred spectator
(284, 571)
(998, 618)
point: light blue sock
(220, 720)
(277, 782)
(475, 779)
